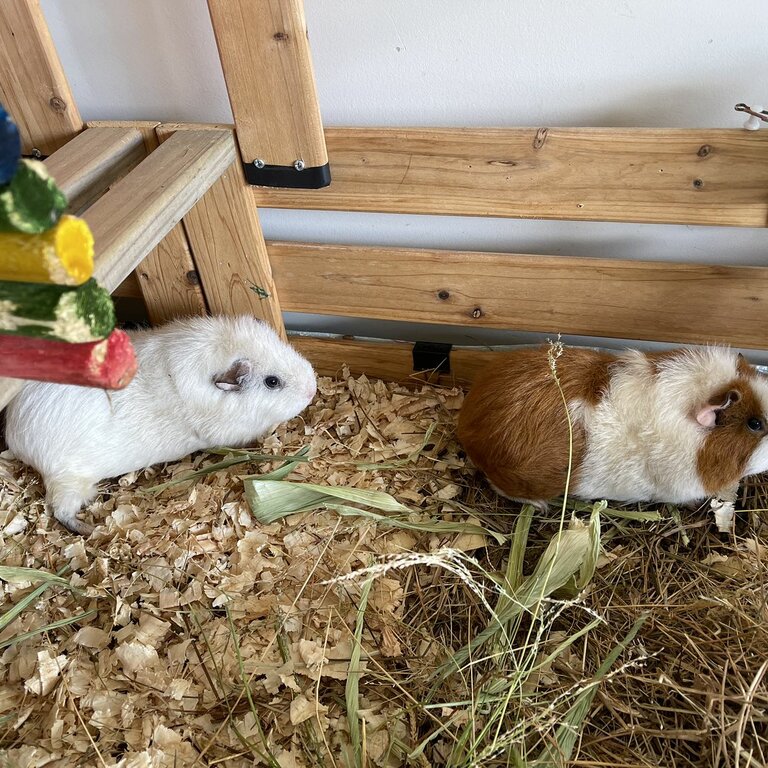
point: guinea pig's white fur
(201, 382)
(671, 426)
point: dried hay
(185, 633)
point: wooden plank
(132, 218)
(228, 248)
(267, 65)
(388, 360)
(85, 167)
(644, 300)
(167, 279)
(702, 176)
(130, 288)
(33, 86)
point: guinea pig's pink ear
(707, 416)
(235, 377)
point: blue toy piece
(10, 147)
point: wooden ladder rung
(85, 167)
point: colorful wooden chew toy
(62, 255)
(10, 147)
(109, 363)
(30, 202)
(57, 312)
(56, 323)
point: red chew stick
(109, 363)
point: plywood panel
(33, 87)
(655, 301)
(267, 65)
(717, 177)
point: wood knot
(281, 37)
(57, 104)
(704, 150)
(443, 295)
(540, 138)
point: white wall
(453, 63)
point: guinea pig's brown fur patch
(513, 423)
(727, 447)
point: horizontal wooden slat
(135, 215)
(714, 177)
(389, 360)
(86, 166)
(654, 301)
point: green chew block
(81, 314)
(31, 202)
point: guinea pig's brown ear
(707, 416)
(743, 366)
(235, 377)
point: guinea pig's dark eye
(271, 382)
(755, 424)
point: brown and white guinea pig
(676, 426)
(201, 382)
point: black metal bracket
(432, 356)
(259, 174)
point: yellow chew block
(62, 255)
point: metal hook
(756, 115)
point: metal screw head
(258, 163)
(299, 165)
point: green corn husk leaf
(14, 575)
(48, 627)
(561, 565)
(514, 575)
(284, 470)
(558, 754)
(271, 500)
(240, 457)
(352, 687)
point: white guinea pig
(676, 426)
(201, 382)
